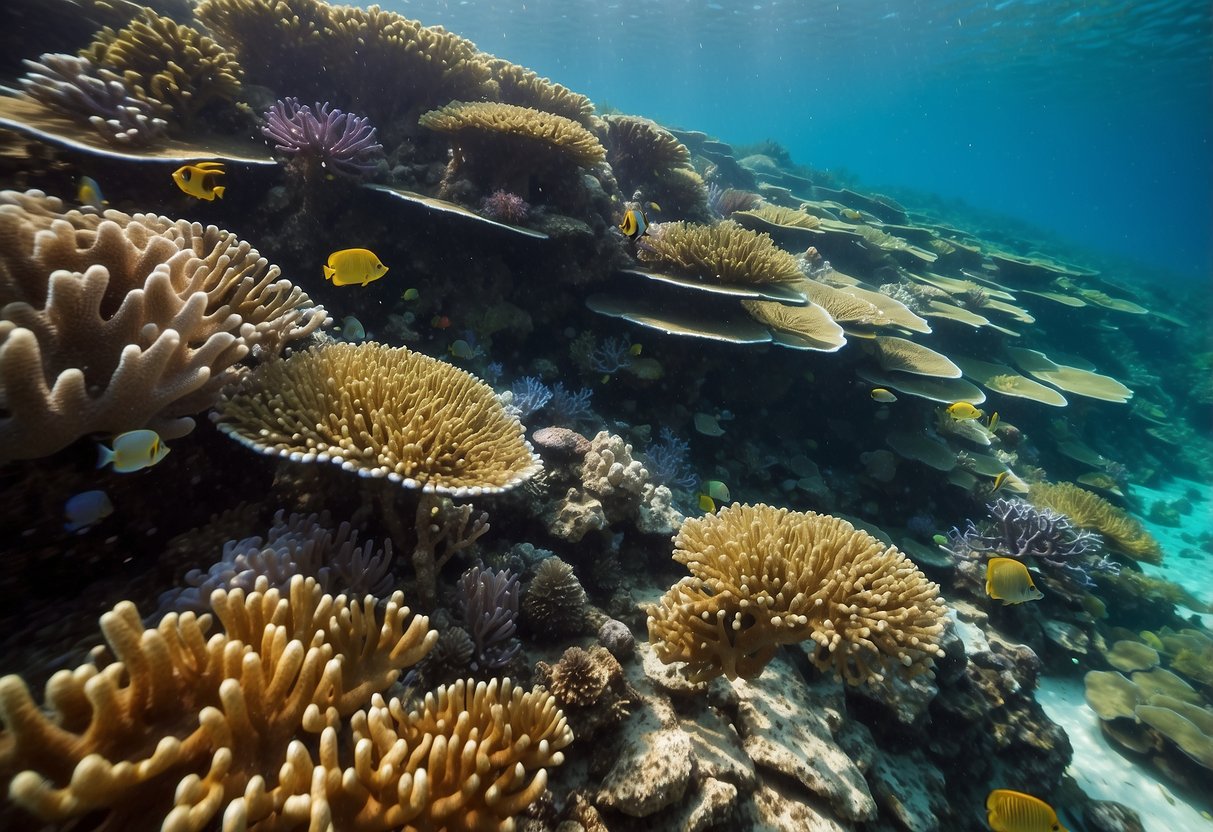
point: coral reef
(84, 92)
(322, 137)
(180, 726)
(125, 322)
(1090, 511)
(180, 72)
(590, 687)
(555, 603)
(481, 125)
(382, 412)
(762, 576)
(722, 253)
(519, 85)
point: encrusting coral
(1088, 510)
(175, 68)
(180, 726)
(762, 577)
(722, 253)
(125, 322)
(382, 412)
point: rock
(1067, 636)
(1110, 816)
(717, 747)
(575, 516)
(710, 805)
(774, 807)
(651, 773)
(667, 676)
(560, 444)
(617, 638)
(911, 789)
(789, 728)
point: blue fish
(87, 509)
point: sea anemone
(329, 137)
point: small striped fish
(1011, 811)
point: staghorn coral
(519, 85)
(472, 756)
(488, 601)
(319, 51)
(382, 412)
(181, 726)
(1090, 511)
(124, 322)
(322, 137)
(555, 602)
(176, 69)
(721, 253)
(84, 92)
(762, 576)
(499, 143)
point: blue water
(1092, 120)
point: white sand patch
(1104, 774)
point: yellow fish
(707, 504)
(993, 424)
(851, 214)
(410, 295)
(353, 265)
(635, 350)
(634, 224)
(880, 394)
(133, 451)
(88, 192)
(1007, 580)
(199, 180)
(961, 411)
(1010, 811)
(1000, 480)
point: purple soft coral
(342, 141)
(1020, 530)
(489, 602)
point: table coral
(721, 253)
(182, 725)
(382, 412)
(121, 322)
(762, 576)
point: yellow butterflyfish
(353, 266)
(880, 394)
(1011, 811)
(635, 350)
(961, 411)
(199, 180)
(1007, 580)
(707, 504)
(132, 451)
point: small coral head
(338, 140)
(504, 206)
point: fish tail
(104, 456)
(218, 190)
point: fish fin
(329, 271)
(218, 190)
(104, 456)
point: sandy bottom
(1184, 563)
(1106, 775)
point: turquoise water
(1092, 120)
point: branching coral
(722, 253)
(84, 92)
(382, 412)
(181, 726)
(322, 137)
(762, 576)
(1090, 511)
(118, 323)
(319, 51)
(175, 68)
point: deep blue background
(1091, 120)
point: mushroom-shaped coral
(119, 323)
(1090, 511)
(322, 137)
(180, 725)
(762, 576)
(382, 412)
(479, 127)
(173, 67)
(722, 253)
